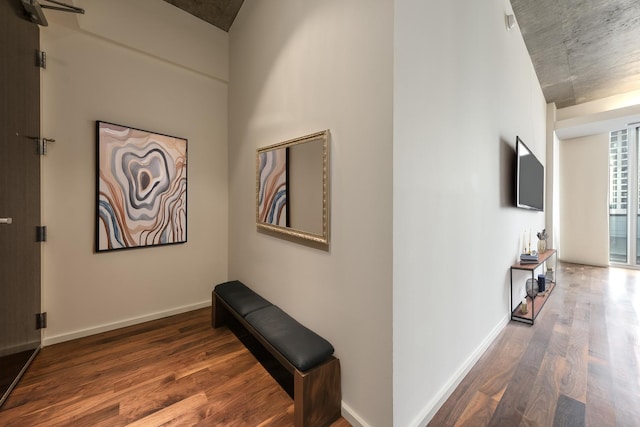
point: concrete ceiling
(220, 13)
(582, 50)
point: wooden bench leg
(317, 395)
(219, 312)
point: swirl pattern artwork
(272, 193)
(141, 188)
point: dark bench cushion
(242, 299)
(301, 346)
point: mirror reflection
(292, 187)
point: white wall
(297, 67)
(552, 173)
(464, 87)
(584, 192)
(135, 81)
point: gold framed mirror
(292, 187)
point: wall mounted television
(529, 178)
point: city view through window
(623, 197)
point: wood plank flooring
(172, 371)
(579, 365)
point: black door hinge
(41, 320)
(42, 145)
(41, 59)
(41, 233)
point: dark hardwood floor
(579, 365)
(172, 371)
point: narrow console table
(536, 303)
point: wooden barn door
(19, 193)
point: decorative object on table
(141, 188)
(526, 242)
(532, 288)
(524, 306)
(541, 284)
(531, 258)
(549, 276)
(542, 240)
(516, 286)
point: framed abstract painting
(273, 193)
(141, 188)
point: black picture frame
(141, 188)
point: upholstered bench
(303, 353)
(240, 298)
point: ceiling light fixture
(34, 10)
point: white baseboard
(120, 324)
(447, 390)
(352, 417)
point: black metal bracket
(41, 144)
(46, 141)
(41, 233)
(41, 59)
(41, 320)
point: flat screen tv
(529, 178)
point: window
(624, 192)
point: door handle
(6, 220)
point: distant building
(619, 171)
(618, 194)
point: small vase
(549, 276)
(542, 246)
